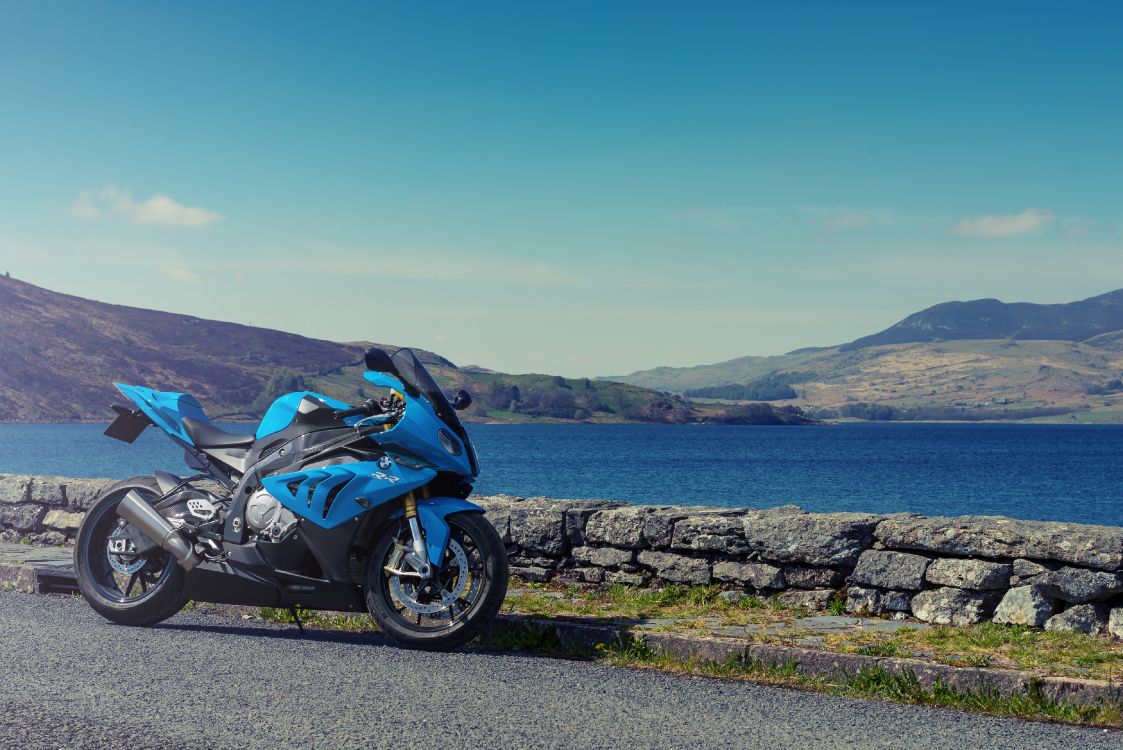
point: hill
(993, 319)
(959, 360)
(62, 353)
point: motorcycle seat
(206, 435)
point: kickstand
(296, 619)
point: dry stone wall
(957, 571)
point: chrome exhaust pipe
(137, 511)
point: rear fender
(431, 512)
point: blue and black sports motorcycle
(324, 507)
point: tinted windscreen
(415, 376)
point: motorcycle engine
(267, 518)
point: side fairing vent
(331, 495)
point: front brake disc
(409, 593)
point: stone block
(628, 579)
(1023, 568)
(807, 577)
(24, 517)
(497, 511)
(822, 539)
(532, 573)
(1080, 585)
(1025, 605)
(60, 519)
(14, 488)
(537, 562)
(1091, 619)
(80, 494)
(577, 516)
(658, 526)
(604, 557)
(47, 491)
(710, 532)
(816, 600)
(890, 570)
(589, 575)
(997, 537)
(48, 538)
(619, 527)
(757, 575)
(811, 662)
(1115, 622)
(676, 568)
(977, 575)
(697, 648)
(538, 530)
(875, 601)
(952, 606)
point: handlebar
(368, 408)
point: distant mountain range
(994, 319)
(60, 354)
(982, 359)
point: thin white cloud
(1003, 225)
(841, 221)
(180, 274)
(83, 206)
(159, 209)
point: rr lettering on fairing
(331, 495)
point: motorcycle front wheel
(451, 607)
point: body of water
(1052, 472)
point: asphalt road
(68, 679)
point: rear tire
(452, 626)
(160, 578)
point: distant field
(1013, 378)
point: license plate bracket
(128, 425)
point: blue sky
(580, 188)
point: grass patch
(989, 644)
(351, 623)
(687, 604)
(877, 684)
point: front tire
(464, 595)
(125, 589)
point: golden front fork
(409, 504)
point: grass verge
(876, 684)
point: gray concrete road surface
(69, 679)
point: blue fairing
(281, 413)
(431, 513)
(166, 410)
(416, 432)
(333, 495)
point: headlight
(449, 442)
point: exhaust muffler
(137, 511)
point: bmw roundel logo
(385, 463)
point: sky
(580, 188)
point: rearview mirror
(378, 361)
(462, 400)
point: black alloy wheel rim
(112, 584)
(459, 610)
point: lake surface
(1053, 472)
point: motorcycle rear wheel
(463, 596)
(125, 589)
